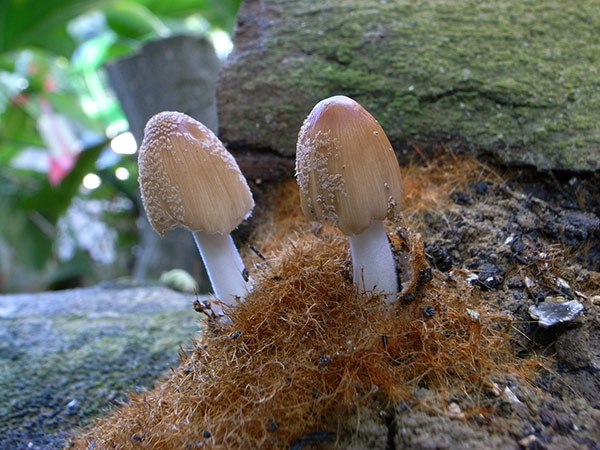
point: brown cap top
(188, 178)
(346, 168)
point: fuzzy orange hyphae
(305, 349)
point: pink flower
(59, 166)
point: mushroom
(187, 178)
(349, 175)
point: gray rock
(553, 311)
(516, 80)
(67, 356)
(176, 73)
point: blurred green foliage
(43, 24)
(49, 54)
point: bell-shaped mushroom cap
(346, 169)
(188, 178)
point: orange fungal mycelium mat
(305, 349)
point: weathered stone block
(518, 80)
(67, 356)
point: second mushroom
(348, 174)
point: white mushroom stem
(224, 266)
(373, 262)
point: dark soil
(535, 238)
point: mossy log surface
(517, 80)
(67, 356)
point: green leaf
(68, 105)
(33, 245)
(52, 201)
(92, 53)
(56, 41)
(134, 21)
(28, 22)
(29, 219)
(7, 63)
(120, 48)
(220, 13)
(17, 130)
(79, 265)
(177, 7)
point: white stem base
(373, 262)
(224, 266)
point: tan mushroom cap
(187, 177)
(346, 169)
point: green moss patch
(515, 79)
